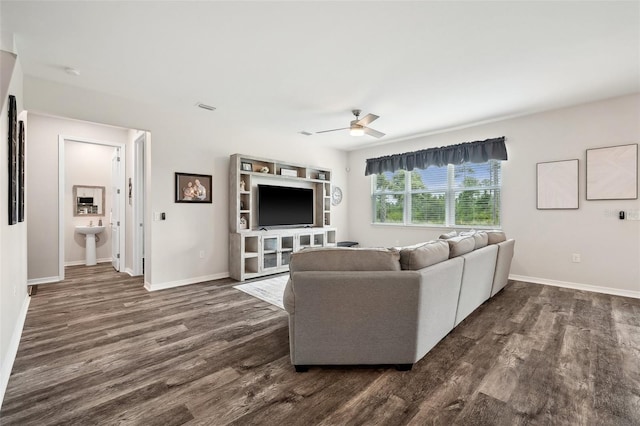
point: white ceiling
(276, 68)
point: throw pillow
(448, 235)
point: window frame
(449, 190)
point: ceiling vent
(205, 106)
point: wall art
(557, 185)
(193, 188)
(21, 170)
(612, 173)
(13, 161)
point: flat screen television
(284, 206)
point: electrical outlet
(575, 258)
(201, 254)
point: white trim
(179, 283)
(43, 280)
(129, 271)
(12, 350)
(139, 184)
(82, 262)
(61, 192)
(577, 286)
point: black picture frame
(246, 166)
(21, 169)
(189, 188)
(13, 161)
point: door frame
(61, 191)
(139, 191)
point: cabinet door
(287, 243)
(270, 248)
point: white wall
(14, 300)
(191, 141)
(86, 164)
(42, 171)
(545, 239)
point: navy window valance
(468, 152)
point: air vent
(304, 132)
(205, 106)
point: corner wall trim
(12, 350)
(577, 286)
(179, 283)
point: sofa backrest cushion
(345, 259)
(496, 237)
(481, 238)
(460, 245)
(448, 235)
(422, 255)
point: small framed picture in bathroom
(193, 188)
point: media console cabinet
(255, 252)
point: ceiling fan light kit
(356, 130)
(358, 127)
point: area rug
(270, 290)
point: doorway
(115, 214)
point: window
(462, 195)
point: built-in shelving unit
(255, 252)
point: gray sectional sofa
(370, 306)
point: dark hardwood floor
(99, 349)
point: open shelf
(253, 252)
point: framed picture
(245, 166)
(13, 161)
(193, 188)
(612, 173)
(21, 155)
(557, 185)
(322, 176)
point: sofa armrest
(503, 265)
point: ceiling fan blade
(367, 119)
(372, 132)
(333, 130)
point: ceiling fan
(358, 127)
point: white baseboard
(43, 280)
(129, 271)
(82, 262)
(179, 283)
(12, 350)
(577, 286)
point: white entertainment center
(256, 251)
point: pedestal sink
(89, 233)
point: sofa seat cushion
(422, 255)
(460, 245)
(345, 259)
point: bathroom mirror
(89, 200)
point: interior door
(114, 215)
